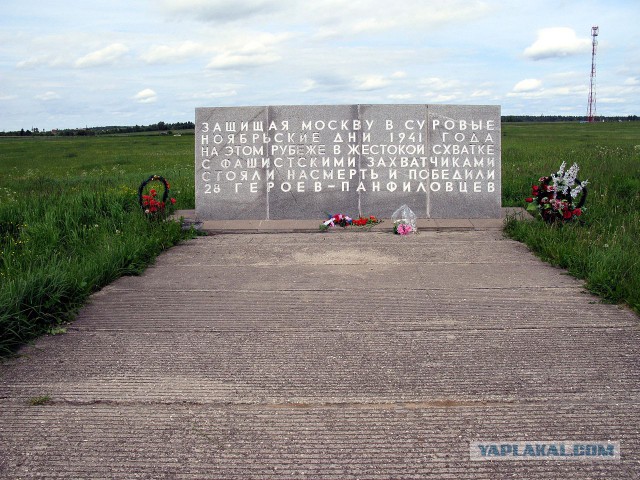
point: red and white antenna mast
(591, 111)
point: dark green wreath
(153, 178)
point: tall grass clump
(603, 247)
(64, 236)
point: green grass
(603, 248)
(70, 222)
(41, 400)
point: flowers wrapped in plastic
(404, 221)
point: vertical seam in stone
(266, 180)
(426, 141)
(195, 152)
(359, 162)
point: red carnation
(173, 200)
(153, 192)
(567, 214)
(577, 212)
(528, 200)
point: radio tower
(591, 112)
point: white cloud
(438, 84)
(309, 85)
(527, 85)
(481, 93)
(344, 18)
(105, 56)
(7, 97)
(372, 82)
(249, 51)
(241, 60)
(557, 42)
(43, 61)
(632, 81)
(172, 53)
(47, 96)
(400, 96)
(331, 18)
(399, 74)
(442, 98)
(146, 96)
(220, 11)
(611, 100)
(210, 95)
(32, 62)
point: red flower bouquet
(559, 197)
(151, 204)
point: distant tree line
(161, 127)
(566, 118)
(166, 128)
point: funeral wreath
(151, 204)
(560, 197)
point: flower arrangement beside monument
(344, 221)
(366, 221)
(339, 219)
(404, 221)
(560, 196)
(149, 202)
(401, 228)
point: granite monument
(304, 161)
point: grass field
(604, 248)
(70, 224)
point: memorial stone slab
(301, 162)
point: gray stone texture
(461, 118)
(383, 204)
(441, 160)
(309, 204)
(248, 205)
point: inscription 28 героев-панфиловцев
(297, 162)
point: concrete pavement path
(328, 356)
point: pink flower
(404, 229)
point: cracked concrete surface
(342, 355)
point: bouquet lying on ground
(364, 221)
(338, 219)
(343, 221)
(560, 196)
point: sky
(72, 63)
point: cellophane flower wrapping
(405, 216)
